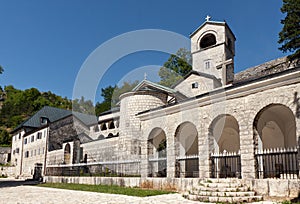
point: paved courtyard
(16, 191)
(19, 192)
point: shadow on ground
(15, 183)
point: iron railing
(105, 169)
(225, 165)
(277, 163)
(187, 166)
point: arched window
(208, 40)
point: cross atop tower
(208, 18)
(145, 76)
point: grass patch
(107, 189)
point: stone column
(247, 153)
(144, 159)
(170, 155)
(298, 137)
(203, 147)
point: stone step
(221, 180)
(225, 189)
(221, 185)
(216, 199)
(225, 194)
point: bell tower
(213, 50)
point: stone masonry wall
(243, 109)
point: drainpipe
(22, 151)
(46, 150)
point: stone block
(261, 187)
(294, 188)
(278, 188)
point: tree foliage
(1, 69)
(18, 105)
(175, 67)
(289, 36)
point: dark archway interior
(208, 40)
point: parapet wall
(275, 188)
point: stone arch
(225, 134)
(208, 40)
(274, 126)
(67, 154)
(156, 151)
(186, 145)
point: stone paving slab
(17, 192)
(33, 194)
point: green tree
(289, 36)
(175, 67)
(5, 139)
(105, 105)
(83, 106)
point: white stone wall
(101, 150)
(16, 151)
(130, 127)
(55, 157)
(243, 103)
(204, 85)
(36, 150)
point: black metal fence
(187, 166)
(105, 169)
(277, 163)
(225, 165)
(157, 167)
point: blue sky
(43, 43)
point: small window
(195, 85)
(32, 138)
(31, 153)
(26, 154)
(39, 152)
(207, 64)
(17, 150)
(35, 152)
(43, 150)
(19, 136)
(25, 141)
(44, 120)
(39, 135)
(14, 151)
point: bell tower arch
(213, 50)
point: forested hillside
(18, 105)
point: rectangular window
(19, 136)
(31, 153)
(26, 154)
(17, 150)
(207, 65)
(32, 138)
(25, 141)
(39, 152)
(39, 135)
(35, 152)
(43, 150)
